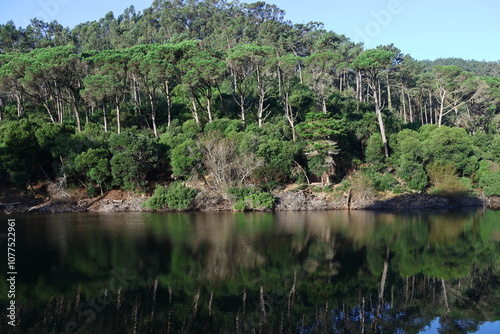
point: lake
(290, 272)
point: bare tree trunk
(105, 121)
(169, 102)
(441, 108)
(195, 110)
(409, 106)
(118, 123)
(403, 100)
(389, 97)
(209, 110)
(381, 123)
(242, 107)
(77, 115)
(20, 108)
(153, 114)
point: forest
(239, 99)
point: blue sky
(425, 29)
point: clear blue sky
(426, 29)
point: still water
(295, 272)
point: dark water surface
(296, 272)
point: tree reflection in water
(295, 272)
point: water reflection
(291, 272)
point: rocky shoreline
(296, 200)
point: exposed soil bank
(297, 200)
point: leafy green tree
(21, 154)
(202, 75)
(185, 158)
(320, 133)
(94, 163)
(446, 145)
(373, 63)
(322, 67)
(134, 155)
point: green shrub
(176, 196)
(384, 182)
(261, 201)
(488, 177)
(239, 193)
(445, 181)
(251, 198)
(240, 206)
(413, 174)
(452, 146)
(184, 158)
(374, 153)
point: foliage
(94, 163)
(488, 177)
(374, 153)
(134, 155)
(413, 174)
(446, 145)
(236, 94)
(445, 181)
(176, 196)
(184, 158)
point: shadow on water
(290, 272)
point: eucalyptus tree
(289, 65)
(12, 70)
(449, 87)
(239, 61)
(110, 81)
(321, 68)
(374, 63)
(202, 75)
(141, 65)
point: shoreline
(296, 200)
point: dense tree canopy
(272, 87)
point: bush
(445, 181)
(489, 178)
(384, 182)
(374, 153)
(261, 201)
(240, 206)
(413, 174)
(134, 155)
(176, 196)
(249, 198)
(453, 146)
(185, 158)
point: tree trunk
(389, 97)
(169, 102)
(209, 110)
(441, 108)
(195, 110)
(323, 105)
(118, 123)
(242, 106)
(104, 118)
(403, 100)
(409, 107)
(380, 123)
(20, 107)
(153, 114)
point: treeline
(234, 94)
